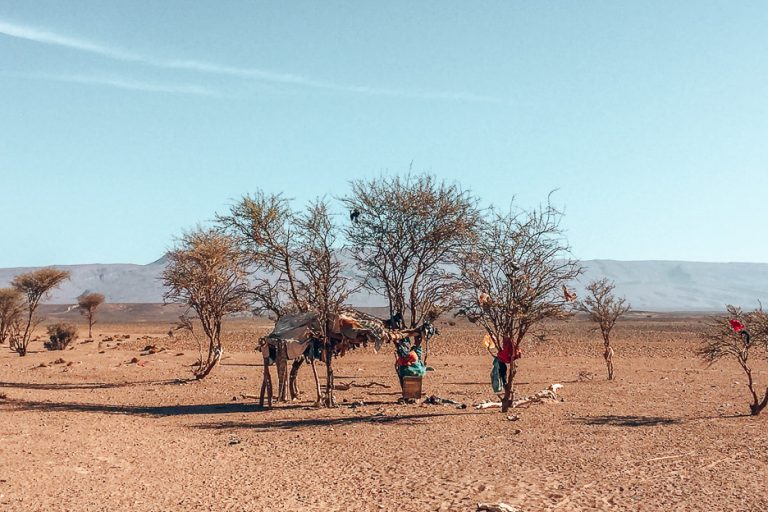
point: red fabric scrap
(737, 326)
(509, 352)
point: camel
(295, 338)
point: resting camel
(295, 338)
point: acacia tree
(514, 276)
(604, 308)
(207, 272)
(323, 282)
(34, 286)
(404, 234)
(264, 227)
(88, 303)
(11, 309)
(738, 335)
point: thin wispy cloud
(44, 36)
(135, 85)
(47, 37)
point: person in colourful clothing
(409, 361)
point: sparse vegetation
(604, 308)
(34, 286)
(404, 234)
(324, 285)
(11, 309)
(264, 227)
(88, 303)
(739, 336)
(514, 275)
(60, 335)
(207, 272)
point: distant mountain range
(648, 285)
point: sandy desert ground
(98, 432)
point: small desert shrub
(743, 337)
(60, 335)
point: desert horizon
(393, 256)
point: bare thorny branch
(723, 340)
(513, 276)
(407, 233)
(207, 272)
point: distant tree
(604, 308)
(207, 272)
(11, 309)
(35, 286)
(405, 232)
(738, 335)
(323, 283)
(514, 275)
(88, 303)
(60, 335)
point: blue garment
(498, 375)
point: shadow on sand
(137, 410)
(628, 421)
(301, 423)
(54, 386)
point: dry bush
(405, 234)
(604, 308)
(738, 336)
(11, 310)
(207, 272)
(88, 302)
(324, 284)
(266, 231)
(514, 276)
(60, 335)
(34, 286)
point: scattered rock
(513, 417)
(233, 440)
(59, 361)
(134, 360)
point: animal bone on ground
(543, 396)
(496, 507)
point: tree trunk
(756, 407)
(282, 371)
(90, 326)
(608, 355)
(292, 380)
(318, 402)
(266, 385)
(214, 355)
(329, 374)
(509, 390)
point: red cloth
(408, 360)
(508, 352)
(737, 326)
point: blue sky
(123, 123)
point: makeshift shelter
(297, 338)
